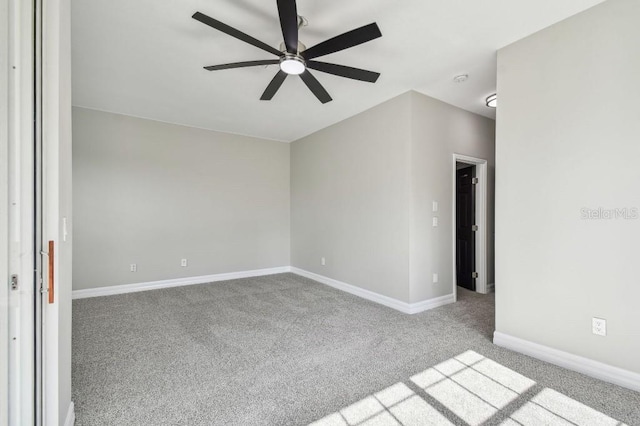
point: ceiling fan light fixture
(492, 101)
(292, 64)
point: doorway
(470, 214)
(465, 223)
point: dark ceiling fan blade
(315, 86)
(289, 22)
(344, 71)
(242, 64)
(273, 87)
(344, 41)
(234, 33)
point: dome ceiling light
(492, 101)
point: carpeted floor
(285, 350)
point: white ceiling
(144, 57)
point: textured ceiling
(144, 57)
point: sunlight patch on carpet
(471, 388)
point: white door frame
(52, 22)
(32, 335)
(18, 194)
(4, 216)
(481, 220)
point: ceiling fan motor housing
(301, 47)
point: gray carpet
(285, 350)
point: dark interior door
(465, 218)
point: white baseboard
(425, 305)
(71, 416)
(599, 370)
(407, 308)
(179, 282)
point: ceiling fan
(294, 58)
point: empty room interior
(327, 213)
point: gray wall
(568, 138)
(153, 193)
(438, 131)
(350, 200)
(362, 192)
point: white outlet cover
(435, 206)
(435, 222)
(435, 278)
(599, 326)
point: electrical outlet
(434, 207)
(435, 278)
(323, 261)
(435, 222)
(133, 267)
(599, 326)
(183, 262)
